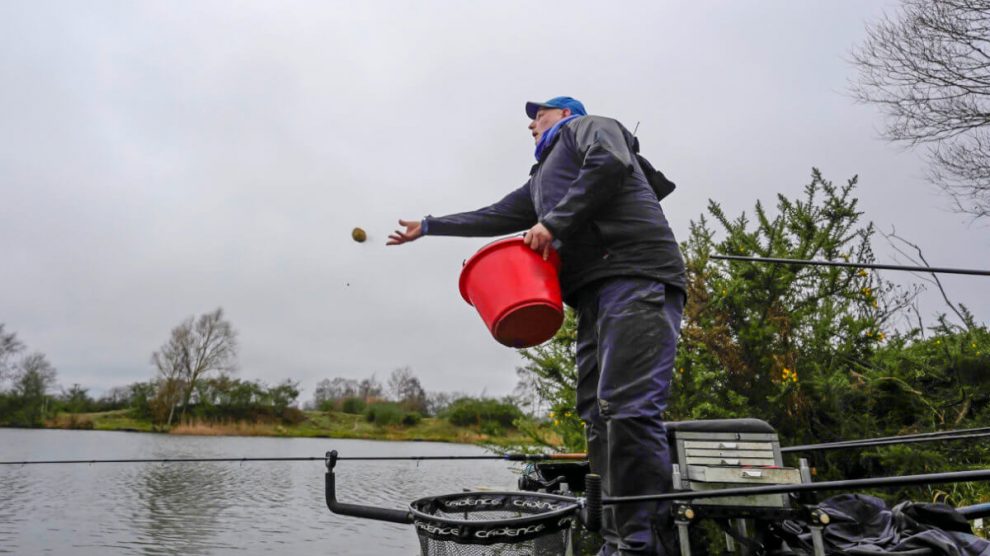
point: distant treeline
(30, 396)
(402, 401)
(26, 401)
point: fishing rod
(875, 482)
(841, 445)
(503, 457)
(937, 436)
(944, 436)
(817, 262)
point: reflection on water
(214, 508)
(14, 494)
(183, 507)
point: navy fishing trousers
(627, 339)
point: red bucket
(515, 291)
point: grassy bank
(316, 425)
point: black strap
(658, 182)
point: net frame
(548, 514)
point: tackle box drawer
(742, 476)
(729, 461)
(700, 477)
(721, 455)
(727, 445)
(727, 448)
(753, 501)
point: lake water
(215, 508)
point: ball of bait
(359, 235)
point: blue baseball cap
(573, 104)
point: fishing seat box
(709, 455)
(729, 453)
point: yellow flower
(881, 336)
(556, 423)
(863, 273)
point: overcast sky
(162, 159)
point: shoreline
(315, 425)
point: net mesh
(550, 545)
(505, 524)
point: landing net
(494, 523)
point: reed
(233, 428)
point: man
(623, 273)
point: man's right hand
(412, 233)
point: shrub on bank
(353, 405)
(486, 412)
(390, 413)
(72, 421)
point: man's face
(544, 120)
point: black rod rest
(591, 514)
(357, 510)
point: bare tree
(369, 389)
(928, 68)
(960, 310)
(9, 345)
(196, 348)
(437, 402)
(405, 388)
(34, 377)
(172, 361)
(338, 388)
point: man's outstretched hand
(412, 233)
(539, 239)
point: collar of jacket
(543, 145)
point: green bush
(491, 428)
(292, 416)
(384, 414)
(353, 405)
(479, 411)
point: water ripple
(215, 508)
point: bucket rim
(493, 246)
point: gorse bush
(482, 411)
(812, 350)
(778, 342)
(550, 371)
(390, 414)
(353, 405)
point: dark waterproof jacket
(591, 194)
